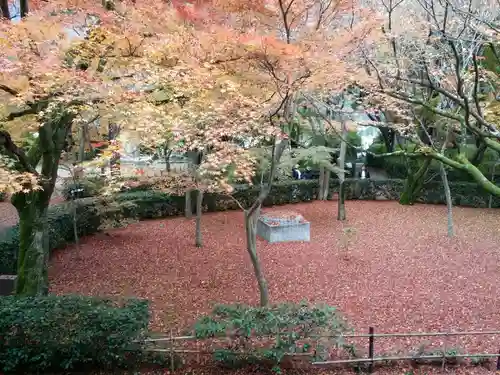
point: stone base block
(7, 284)
(283, 228)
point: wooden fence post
(172, 365)
(498, 361)
(370, 349)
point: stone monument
(283, 227)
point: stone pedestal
(7, 283)
(283, 227)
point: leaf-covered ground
(399, 272)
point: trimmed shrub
(462, 194)
(70, 332)
(155, 204)
(264, 335)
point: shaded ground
(8, 213)
(401, 272)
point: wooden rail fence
(370, 360)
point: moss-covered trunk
(33, 256)
(32, 207)
(414, 184)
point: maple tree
(60, 78)
(230, 77)
(274, 51)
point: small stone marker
(283, 227)
(7, 283)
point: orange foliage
(228, 66)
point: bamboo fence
(370, 360)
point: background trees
(436, 69)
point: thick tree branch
(8, 144)
(456, 117)
(9, 90)
(462, 163)
(457, 100)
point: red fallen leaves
(277, 218)
(400, 274)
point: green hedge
(60, 220)
(140, 205)
(462, 193)
(70, 332)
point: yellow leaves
(12, 182)
(492, 113)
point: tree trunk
(449, 205)
(341, 164)
(32, 279)
(321, 183)
(251, 217)
(388, 136)
(414, 184)
(251, 232)
(188, 210)
(4, 8)
(167, 160)
(24, 8)
(199, 207)
(326, 183)
(493, 170)
(341, 202)
(75, 227)
(478, 156)
(81, 148)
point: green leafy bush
(70, 332)
(82, 188)
(264, 335)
